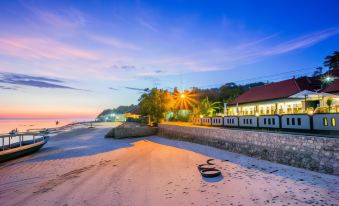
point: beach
(81, 167)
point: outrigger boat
(22, 147)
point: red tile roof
(278, 90)
(334, 87)
(333, 72)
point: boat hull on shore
(16, 152)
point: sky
(75, 58)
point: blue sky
(84, 56)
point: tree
(318, 71)
(332, 61)
(155, 103)
(208, 108)
(329, 103)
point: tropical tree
(332, 61)
(208, 108)
(318, 71)
(329, 103)
(155, 103)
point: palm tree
(318, 71)
(208, 108)
(332, 61)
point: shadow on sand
(76, 143)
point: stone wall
(310, 152)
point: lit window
(333, 122)
(325, 121)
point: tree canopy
(155, 103)
(332, 61)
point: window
(325, 121)
(273, 121)
(250, 121)
(299, 121)
(288, 121)
(293, 121)
(244, 121)
(333, 122)
(265, 121)
(269, 121)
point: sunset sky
(75, 58)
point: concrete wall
(269, 121)
(296, 121)
(231, 121)
(217, 121)
(326, 122)
(309, 152)
(125, 132)
(248, 121)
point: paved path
(83, 168)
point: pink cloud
(110, 41)
(41, 48)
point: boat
(22, 148)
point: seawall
(310, 152)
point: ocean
(6, 125)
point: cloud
(114, 89)
(147, 25)
(67, 18)
(113, 42)
(135, 89)
(41, 48)
(223, 58)
(8, 88)
(124, 67)
(33, 81)
(302, 42)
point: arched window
(333, 122)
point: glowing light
(184, 100)
(328, 79)
(201, 116)
(257, 114)
(310, 112)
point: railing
(34, 135)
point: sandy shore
(80, 167)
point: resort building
(292, 96)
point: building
(285, 97)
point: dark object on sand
(19, 151)
(208, 170)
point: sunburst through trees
(184, 100)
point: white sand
(80, 167)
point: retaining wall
(125, 132)
(310, 152)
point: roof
(333, 72)
(334, 87)
(135, 110)
(278, 90)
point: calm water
(22, 125)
